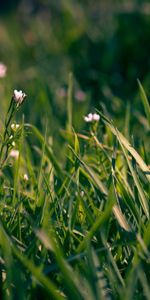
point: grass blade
(69, 103)
(144, 101)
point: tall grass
(79, 229)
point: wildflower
(13, 144)
(3, 70)
(25, 177)
(11, 141)
(14, 127)
(62, 92)
(80, 96)
(96, 117)
(92, 117)
(11, 137)
(18, 97)
(14, 153)
(88, 118)
(82, 193)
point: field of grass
(74, 187)
(77, 228)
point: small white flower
(82, 193)
(14, 127)
(96, 117)
(88, 118)
(11, 140)
(92, 117)
(13, 144)
(19, 97)
(14, 153)
(25, 177)
(3, 70)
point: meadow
(74, 154)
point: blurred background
(105, 44)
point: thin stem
(9, 116)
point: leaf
(71, 279)
(145, 101)
(101, 219)
(132, 151)
(143, 198)
(121, 218)
(69, 103)
(35, 271)
(92, 174)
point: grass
(77, 228)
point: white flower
(82, 193)
(96, 117)
(3, 70)
(14, 127)
(14, 153)
(13, 144)
(18, 97)
(25, 177)
(92, 117)
(88, 118)
(11, 140)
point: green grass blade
(144, 101)
(101, 219)
(37, 273)
(144, 201)
(92, 174)
(48, 151)
(131, 150)
(69, 103)
(71, 280)
(34, 270)
(144, 282)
